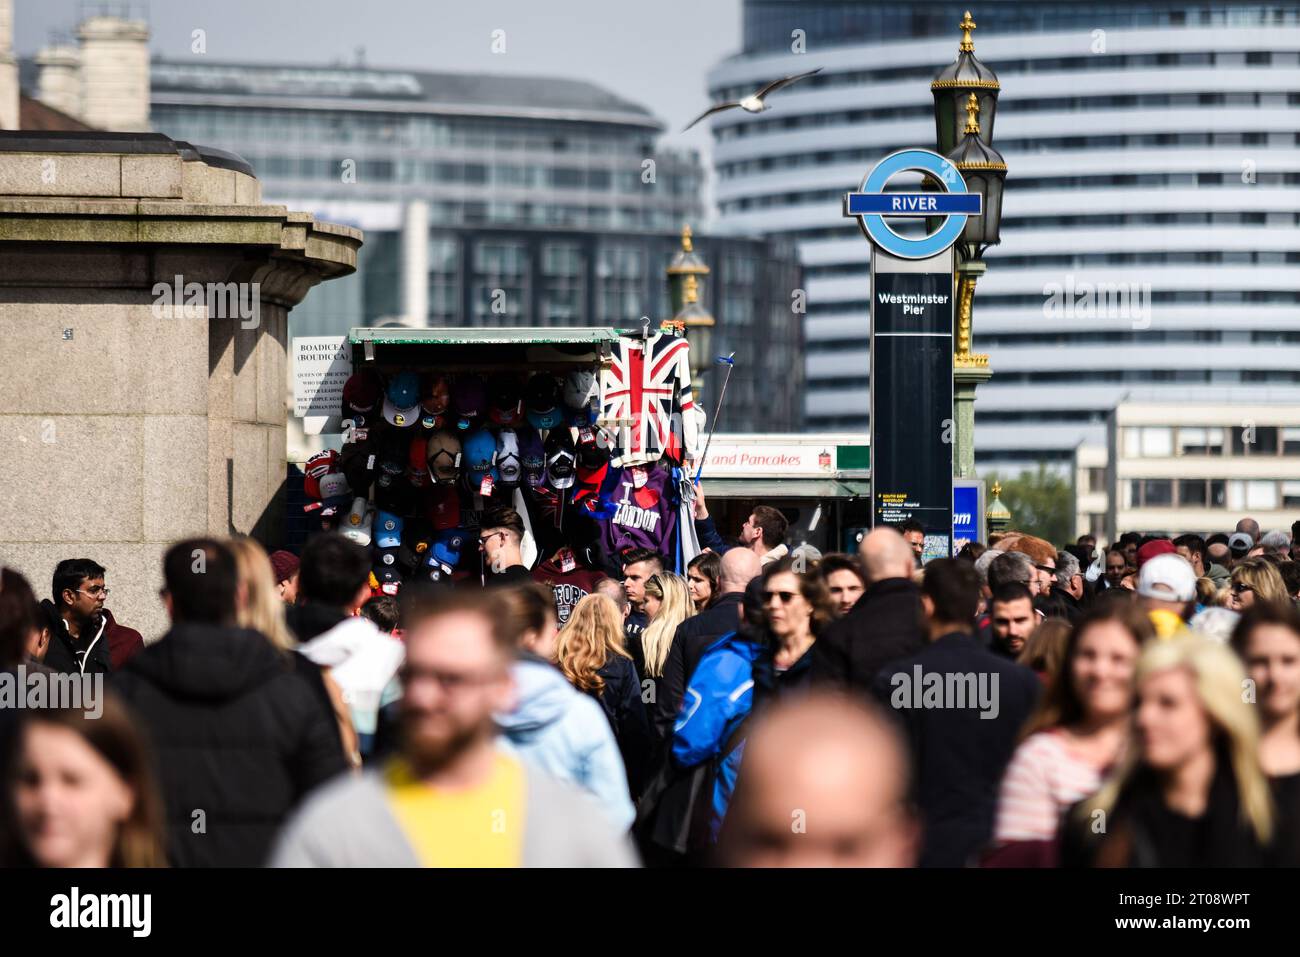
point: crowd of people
(1015, 705)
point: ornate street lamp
(686, 273)
(965, 104)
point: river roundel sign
(873, 206)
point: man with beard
(450, 797)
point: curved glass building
(1151, 228)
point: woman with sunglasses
(1268, 640)
(1255, 580)
(740, 675)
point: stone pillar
(59, 80)
(8, 68)
(130, 420)
(965, 380)
(114, 73)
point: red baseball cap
(1161, 546)
(362, 391)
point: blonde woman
(1255, 579)
(590, 652)
(261, 609)
(667, 604)
(1189, 790)
(260, 605)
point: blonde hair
(262, 609)
(1263, 578)
(675, 594)
(593, 632)
(1219, 678)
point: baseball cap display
(480, 456)
(417, 459)
(542, 399)
(404, 390)
(362, 391)
(532, 457)
(469, 398)
(1239, 543)
(401, 416)
(444, 451)
(386, 578)
(388, 530)
(508, 464)
(317, 467)
(1169, 577)
(435, 393)
(357, 524)
(579, 388)
(444, 507)
(560, 458)
(446, 547)
(333, 485)
(507, 407)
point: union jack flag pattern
(646, 401)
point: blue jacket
(718, 698)
(559, 730)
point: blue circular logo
(877, 228)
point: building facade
(1198, 467)
(1149, 232)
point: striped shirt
(1043, 779)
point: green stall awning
(770, 488)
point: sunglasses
(785, 596)
(1240, 588)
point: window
(1291, 441)
(1198, 441)
(1252, 495)
(1191, 493)
(1255, 440)
(1157, 493)
(563, 282)
(1291, 494)
(1218, 493)
(1096, 480)
(1149, 442)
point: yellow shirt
(1167, 624)
(483, 827)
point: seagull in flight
(754, 103)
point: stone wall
(127, 426)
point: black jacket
(627, 716)
(690, 641)
(884, 624)
(310, 619)
(958, 754)
(239, 734)
(65, 655)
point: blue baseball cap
(404, 390)
(446, 547)
(480, 454)
(388, 530)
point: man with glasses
(452, 797)
(84, 637)
(500, 539)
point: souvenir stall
(590, 434)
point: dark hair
(1061, 705)
(1290, 576)
(953, 587)
(1010, 567)
(1284, 614)
(202, 579)
(1081, 552)
(971, 551)
(840, 562)
(1088, 536)
(771, 523)
(332, 570)
(527, 606)
(1218, 538)
(630, 556)
(1130, 538)
(116, 736)
(1009, 592)
(503, 516)
(911, 525)
(1117, 551)
(384, 611)
(1193, 543)
(811, 586)
(425, 604)
(71, 572)
(709, 565)
(20, 615)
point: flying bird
(754, 103)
